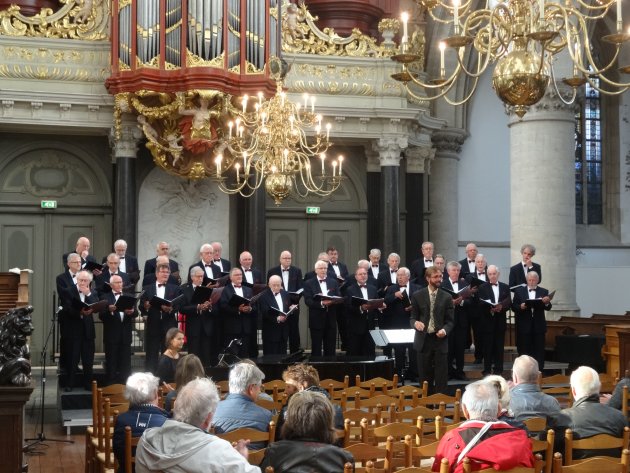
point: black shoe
(461, 376)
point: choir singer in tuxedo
(236, 317)
(530, 318)
(321, 315)
(360, 317)
(272, 305)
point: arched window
(588, 159)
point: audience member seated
(527, 400)
(188, 368)
(615, 400)
(183, 445)
(300, 378)
(587, 417)
(238, 409)
(307, 437)
(167, 364)
(488, 443)
(142, 393)
(503, 391)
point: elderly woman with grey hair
(141, 391)
(307, 438)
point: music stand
(41, 438)
(402, 336)
(228, 358)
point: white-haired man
(141, 390)
(128, 263)
(587, 417)
(183, 444)
(527, 400)
(487, 442)
(239, 408)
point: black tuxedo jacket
(374, 279)
(464, 271)
(66, 289)
(104, 277)
(295, 277)
(235, 322)
(197, 322)
(316, 312)
(256, 275)
(485, 292)
(150, 265)
(395, 316)
(517, 274)
(272, 329)
(76, 325)
(225, 264)
(116, 330)
(216, 272)
(155, 314)
(358, 321)
(417, 270)
(384, 280)
(443, 316)
(343, 270)
(83, 260)
(461, 284)
(529, 321)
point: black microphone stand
(41, 438)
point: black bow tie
(495, 284)
(470, 261)
(393, 270)
(362, 285)
(208, 266)
(237, 286)
(275, 294)
(321, 281)
(217, 260)
(117, 293)
(375, 265)
(481, 274)
(453, 282)
(428, 261)
(121, 257)
(532, 290)
(161, 285)
(247, 270)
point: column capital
(389, 149)
(449, 140)
(419, 159)
(125, 145)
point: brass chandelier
(267, 143)
(524, 39)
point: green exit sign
(49, 204)
(312, 210)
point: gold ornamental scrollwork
(301, 35)
(182, 129)
(75, 19)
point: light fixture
(523, 38)
(268, 143)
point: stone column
(542, 195)
(389, 150)
(252, 227)
(443, 231)
(124, 151)
(418, 161)
(373, 196)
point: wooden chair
(353, 397)
(255, 457)
(558, 386)
(436, 400)
(251, 434)
(275, 388)
(271, 405)
(364, 452)
(269, 469)
(130, 444)
(624, 401)
(373, 402)
(546, 447)
(407, 396)
(377, 384)
(555, 380)
(414, 454)
(595, 464)
(396, 433)
(535, 424)
(416, 469)
(105, 460)
(223, 387)
(597, 442)
(332, 385)
(468, 468)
